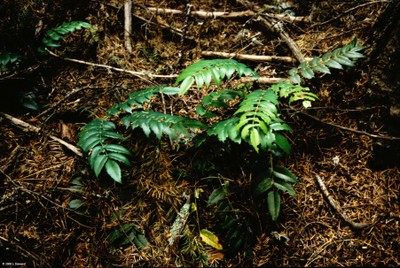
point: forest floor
(55, 212)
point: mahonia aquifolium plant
(256, 120)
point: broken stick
(336, 206)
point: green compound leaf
(259, 120)
(344, 56)
(138, 98)
(205, 71)
(94, 138)
(95, 133)
(175, 127)
(55, 34)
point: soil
(55, 212)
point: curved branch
(336, 206)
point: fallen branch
(28, 127)
(336, 206)
(141, 75)
(392, 138)
(223, 14)
(250, 57)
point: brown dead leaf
(67, 130)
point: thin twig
(353, 130)
(141, 75)
(336, 206)
(28, 127)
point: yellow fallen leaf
(210, 239)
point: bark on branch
(223, 14)
(250, 57)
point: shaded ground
(40, 177)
